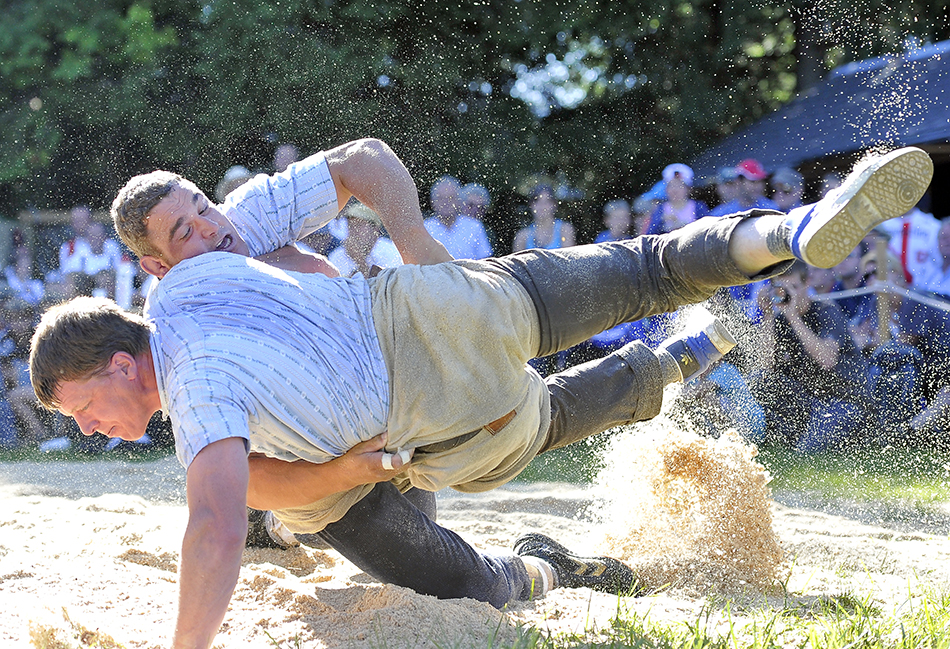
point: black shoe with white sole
(572, 571)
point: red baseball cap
(752, 169)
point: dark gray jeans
(583, 290)
(578, 292)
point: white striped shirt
(289, 361)
(271, 211)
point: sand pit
(92, 548)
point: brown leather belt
(493, 427)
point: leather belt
(493, 427)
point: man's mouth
(225, 243)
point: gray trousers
(583, 290)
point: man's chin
(126, 435)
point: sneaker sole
(890, 186)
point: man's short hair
(451, 181)
(477, 190)
(77, 339)
(133, 203)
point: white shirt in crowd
(466, 239)
(384, 254)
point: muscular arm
(275, 484)
(370, 171)
(292, 258)
(214, 541)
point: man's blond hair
(77, 339)
(133, 203)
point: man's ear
(125, 364)
(154, 266)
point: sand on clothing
(89, 551)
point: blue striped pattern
(289, 361)
(273, 211)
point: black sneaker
(597, 573)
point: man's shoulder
(463, 222)
(202, 274)
(432, 222)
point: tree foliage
(94, 92)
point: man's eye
(186, 233)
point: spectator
(73, 252)
(815, 393)
(618, 220)
(102, 263)
(751, 190)
(20, 280)
(545, 231)
(19, 398)
(934, 276)
(866, 329)
(848, 276)
(643, 209)
(364, 245)
(727, 185)
(913, 240)
(10, 436)
(787, 188)
(88, 262)
(285, 155)
(462, 236)
(233, 178)
(475, 202)
(62, 281)
(678, 209)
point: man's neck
(448, 220)
(148, 379)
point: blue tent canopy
(901, 99)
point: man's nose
(208, 227)
(86, 426)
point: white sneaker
(878, 189)
(278, 531)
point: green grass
(838, 622)
(577, 463)
(885, 475)
(892, 474)
(916, 476)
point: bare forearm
(275, 484)
(370, 171)
(214, 540)
(291, 258)
(210, 564)
(823, 351)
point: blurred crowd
(853, 355)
